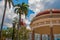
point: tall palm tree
(21, 9)
(5, 6)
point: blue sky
(35, 6)
(20, 1)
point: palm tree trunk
(19, 21)
(19, 25)
(13, 35)
(3, 19)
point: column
(51, 34)
(48, 37)
(33, 35)
(40, 36)
(51, 26)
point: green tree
(4, 34)
(5, 6)
(23, 33)
(21, 9)
(7, 33)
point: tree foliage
(7, 33)
(21, 8)
(23, 33)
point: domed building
(47, 24)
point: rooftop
(48, 11)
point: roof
(48, 11)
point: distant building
(46, 23)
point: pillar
(48, 37)
(33, 35)
(40, 36)
(51, 34)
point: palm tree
(5, 6)
(21, 9)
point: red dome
(48, 11)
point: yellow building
(46, 22)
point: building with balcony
(46, 25)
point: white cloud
(31, 1)
(28, 27)
(1, 9)
(8, 24)
(51, 1)
(2, 3)
(31, 16)
(9, 14)
(26, 21)
(23, 16)
(38, 5)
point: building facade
(47, 25)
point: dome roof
(48, 11)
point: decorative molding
(45, 25)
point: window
(37, 36)
(44, 37)
(57, 37)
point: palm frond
(17, 10)
(25, 5)
(23, 8)
(10, 2)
